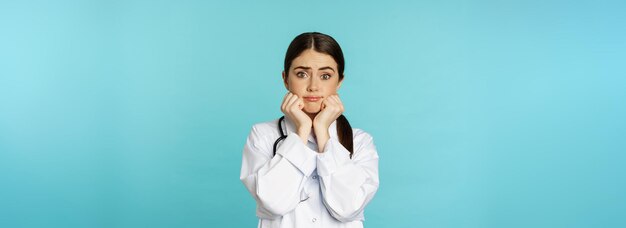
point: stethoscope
(282, 133)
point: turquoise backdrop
(485, 113)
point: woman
(310, 168)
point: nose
(313, 85)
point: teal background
(485, 113)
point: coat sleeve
(276, 182)
(348, 184)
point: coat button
(313, 220)
(314, 176)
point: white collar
(291, 127)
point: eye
(301, 74)
(325, 76)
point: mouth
(312, 98)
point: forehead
(314, 59)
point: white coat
(302, 188)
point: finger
(334, 98)
(335, 103)
(291, 102)
(283, 105)
(285, 97)
(331, 100)
(300, 103)
(338, 101)
(327, 104)
(323, 104)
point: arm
(276, 182)
(348, 184)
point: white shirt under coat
(302, 188)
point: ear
(339, 84)
(285, 80)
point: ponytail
(344, 131)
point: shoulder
(271, 125)
(361, 135)
(361, 139)
(265, 130)
(263, 135)
(363, 143)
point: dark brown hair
(322, 43)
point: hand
(332, 107)
(292, 108)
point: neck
(311, 115)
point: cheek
(296, 87)
(331, 90)
(299, 93)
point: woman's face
(313, 76)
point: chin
(311, 110)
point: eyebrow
(308, 68)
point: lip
(312, 98)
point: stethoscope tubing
(282, 133)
